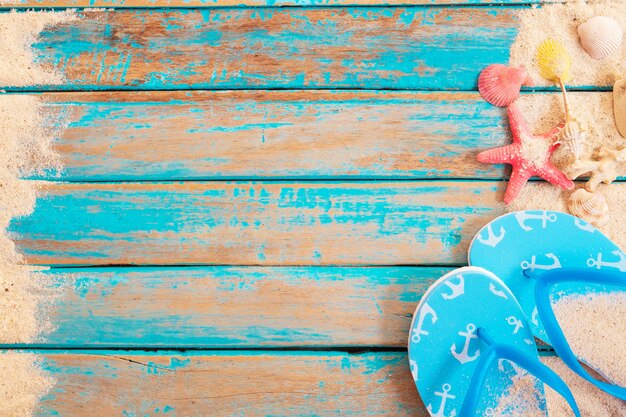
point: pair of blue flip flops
(473, 332)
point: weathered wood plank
(298, 384)
(224, 307)
(283, 134)
(252, 3)
(242, 223)
(360, 47)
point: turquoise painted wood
(272, 134)
(256, 223)
(276, 223)
(303, 135)
(252, 3)
(226, 307)
(222, 383)
(239, 48)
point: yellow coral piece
(554, 61)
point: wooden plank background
(199, 135)
(251, 3)
(230, 384)
(256, 223)
(225, 307)
(299, 135)
(241, 212)
(242, 48)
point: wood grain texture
(359, 47)
(251, 3)
(225, 307)
(243, 223)
(297, 384)
(273, 134)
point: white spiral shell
(601, 36)
(573, 137)
(591, 207)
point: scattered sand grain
(523, 399)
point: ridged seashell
(573, 137)
(591, 207)
(619, 105)
(601, 36)
(554, 61)
(500, 85)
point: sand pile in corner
(592, 402)
(22, 384)
(18, 31)
(560, 21)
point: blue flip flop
(465, 329)
(543, 256)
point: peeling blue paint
(397, 59)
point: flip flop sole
(444, 348)
(538, 241)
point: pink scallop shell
(500, 85)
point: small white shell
(619, 105)
(573, 137)
(591, 207)
(601, 36)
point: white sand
(22, 384)
(591, 401)
(600, 318)
(18, 31)
(25, 148)
(560, 21)
(544, 111)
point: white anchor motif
(425, 311)
(598, 263)
(532, 265)
(444, 394)
(514, 321)
(582, 225)
(491, 239)
(457, 289)
(499, 293)
(463, 356)
(522, 216)
(535, 317)
(413, 369)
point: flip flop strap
(496, 351)
(547, 279)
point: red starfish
(523, 166)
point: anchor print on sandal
(471, 349)
(555, 263)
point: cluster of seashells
(500, 85)
(601, 37)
